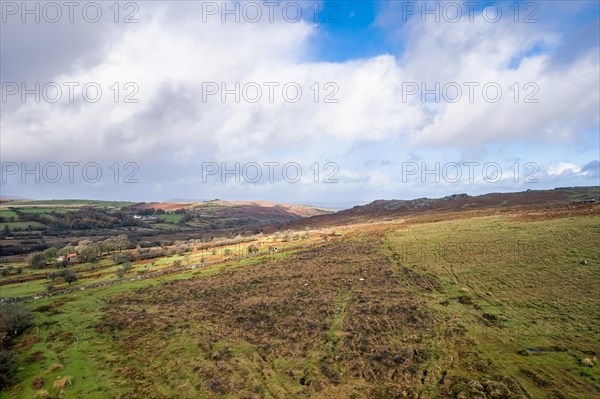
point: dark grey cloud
(33, 51)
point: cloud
(172, 54)
(592, 169)
(563, 167)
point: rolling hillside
(489, 297)
(37, 225)
(382, 209)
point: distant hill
(238, 208)
(6, 198)
(36, 225)
(337, 206)
(452, 203)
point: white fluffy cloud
(563, 167)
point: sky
(317, 102)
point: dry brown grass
(588, 362)
(328, 322)
(41, 393)
(61, 382)
(54, 366)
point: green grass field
(8, 214)
(46, 211)
(168, 226)
(21, 225)
(170, 218)
(519, 292)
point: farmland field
(464, 304)
(171, 218)
(8, 214)
(69, 221)
(21, 225)
(43, 210)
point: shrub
(69, 277)
(51, 254)
(37, 383)
(151, 254)
(7, 365)
(36, 260)
(121, 258)
(14, 319)
(217, 385)
(127, 266)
